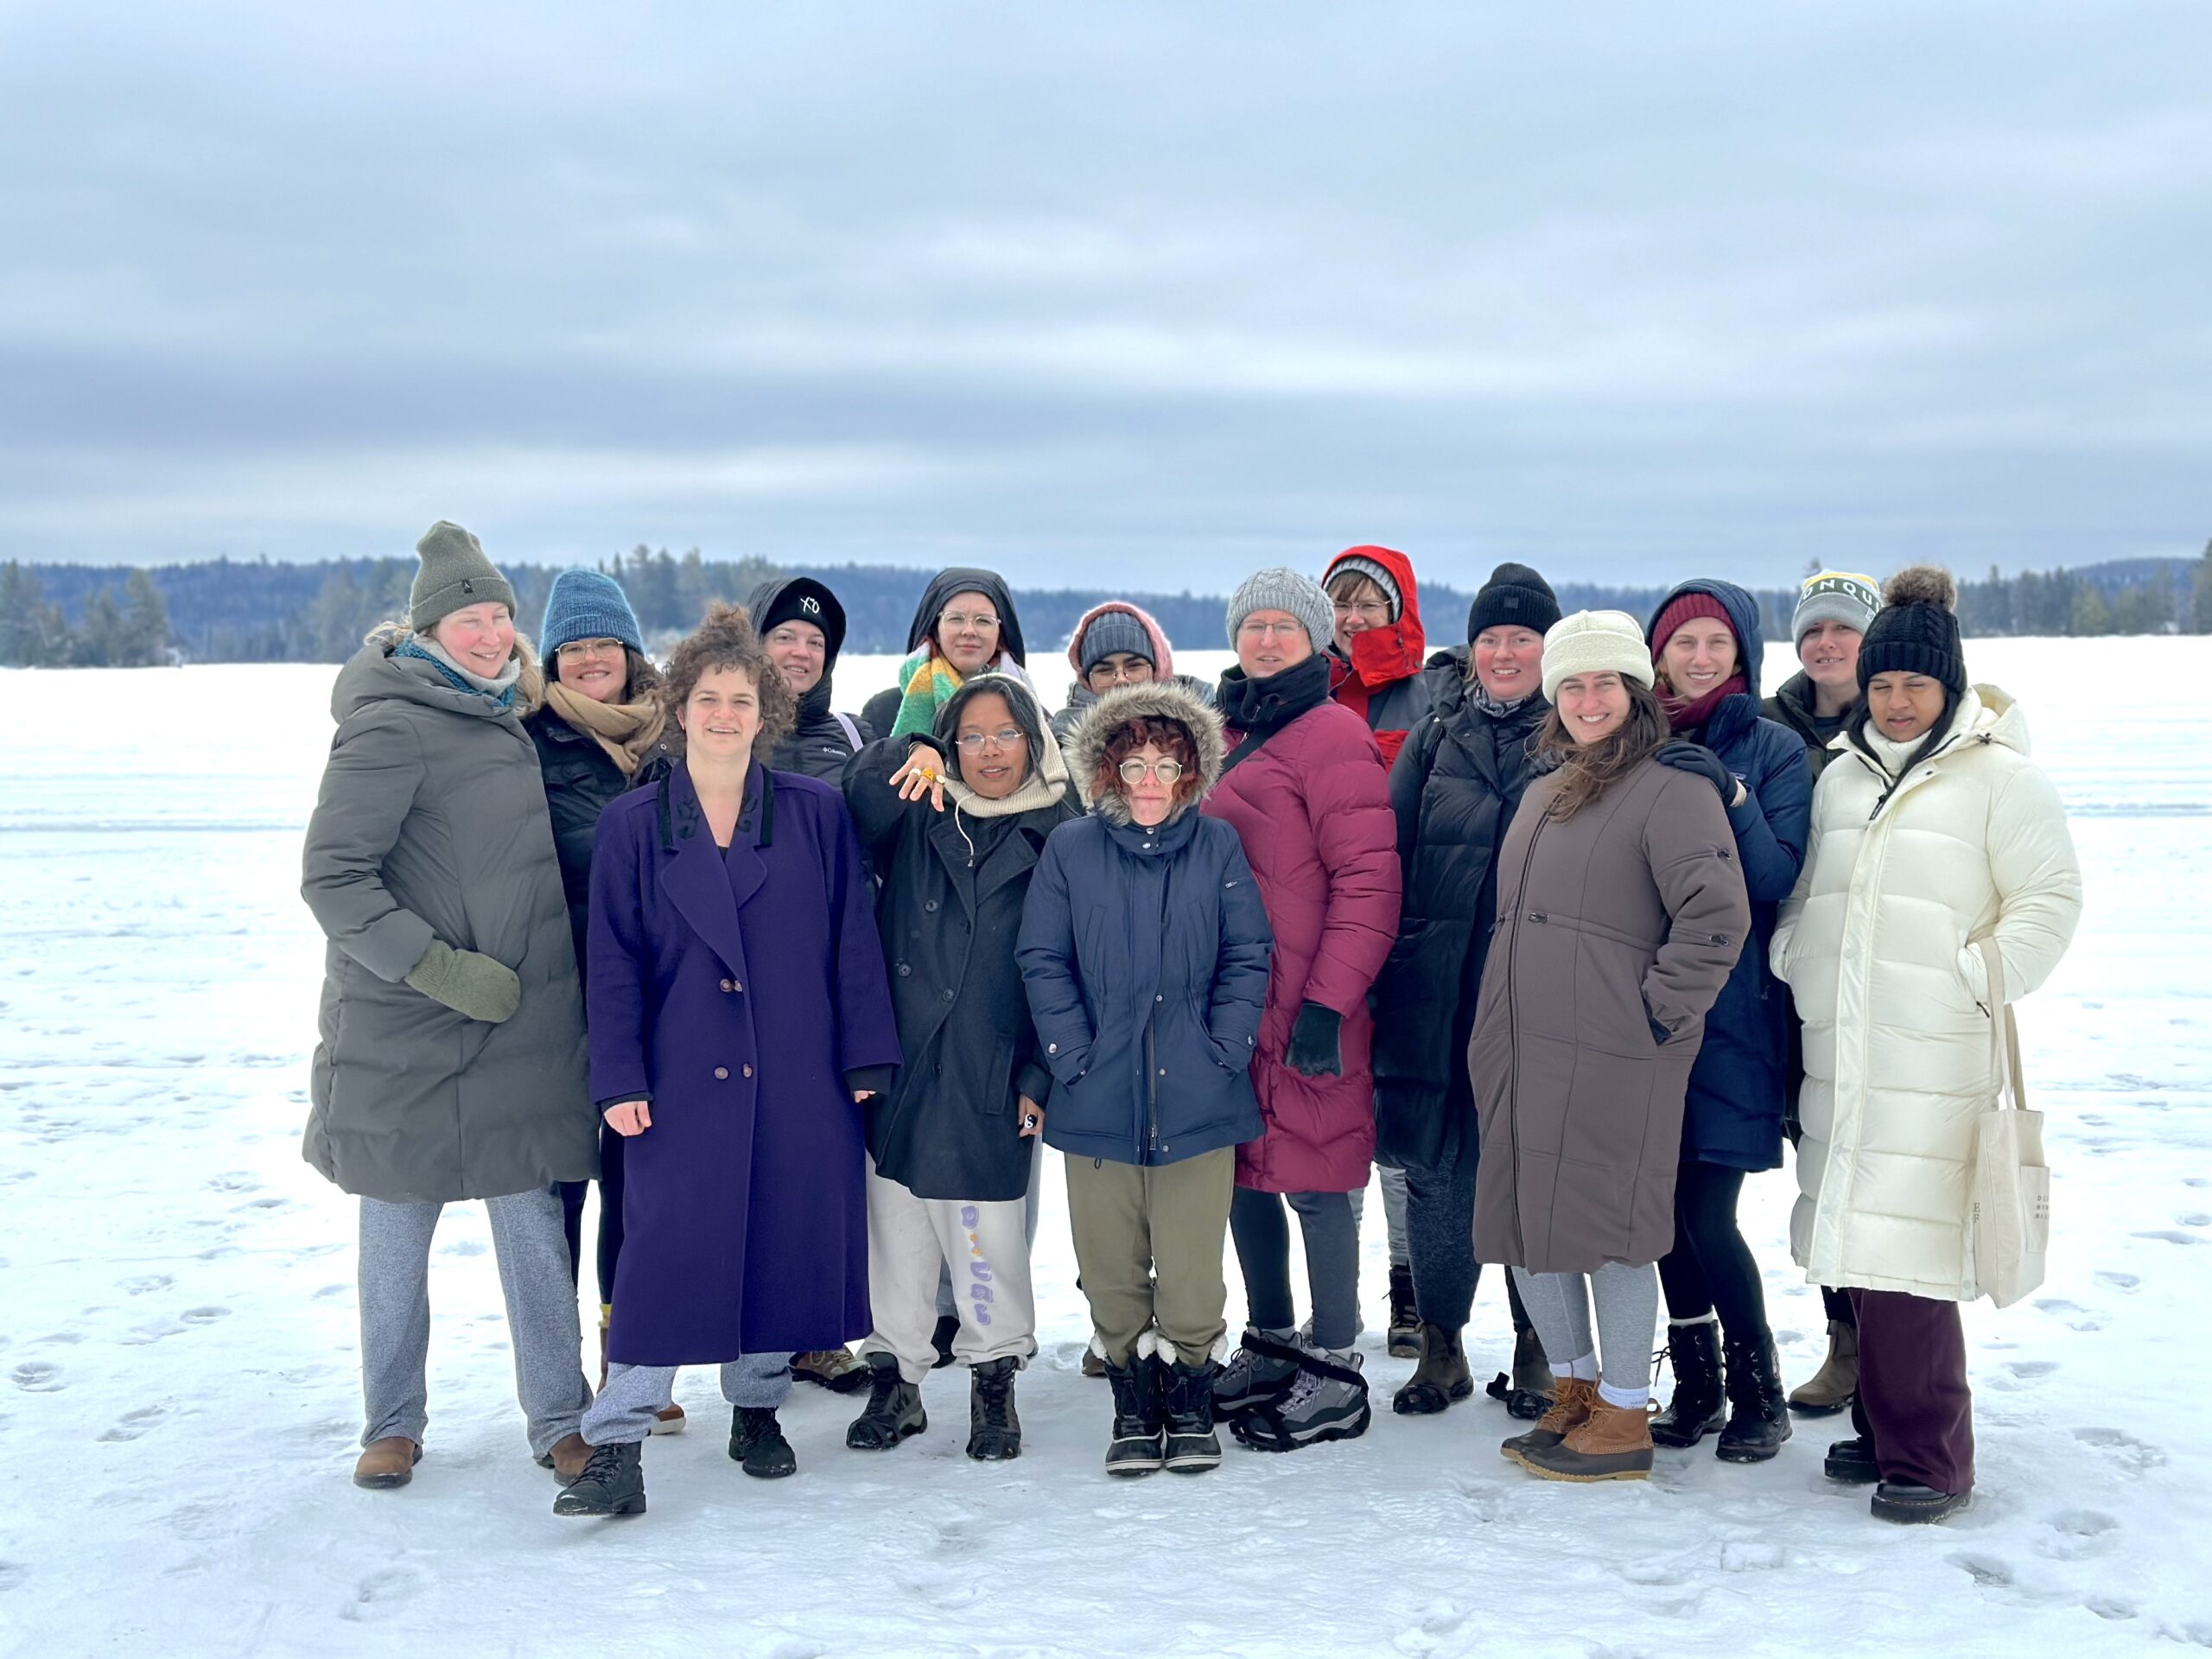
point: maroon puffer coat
(1313, 806)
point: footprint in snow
(381, 1594)
(2076, 1534)
(236, 1180)
(2133, 1457)
(2117, 1280)
(2170, 1235)
(134, 1424)
(2076, 1317)
(204, 1315)
(39, 1376)
(11, 1574)
(144, 1282)
(1988, 1570)
(2195, 1218)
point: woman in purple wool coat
(739, 1014)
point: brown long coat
(1631, 911)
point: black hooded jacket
(820, 742)
(881, 712)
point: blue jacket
(1740, 1083)
(1144, 953)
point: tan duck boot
(1830, 1389)
(1572, 1398)
(1612, 1443)
(386, 1463)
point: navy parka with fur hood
(1739, 1084)
(1144, 953)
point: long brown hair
(1586, 771)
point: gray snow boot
(1326, 1401)
(1258, 1373)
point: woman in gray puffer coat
(452, 1063)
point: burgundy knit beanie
(1689, 608)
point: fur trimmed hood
(1164, 700)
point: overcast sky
(1111, 294)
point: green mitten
(474, 985)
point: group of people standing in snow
(1519, 923)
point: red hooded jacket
(1381, 682)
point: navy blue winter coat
(1739, 1085)
(1144, 954)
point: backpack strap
(852, 731)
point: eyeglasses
(1005, 737)
(982, 621)
(575, 650)
(1136, 671)
(1134, 771)
(1375, 610)
(1276, 630)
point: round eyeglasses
(1134, 771)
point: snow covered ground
(178, 1392)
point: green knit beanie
(454, 575)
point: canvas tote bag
(2011, 1229)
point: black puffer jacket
(1454, 788)
(580, 778)
(949, 914)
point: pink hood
(1163, 663)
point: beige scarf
(627, 731)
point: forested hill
(259, 611)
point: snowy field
(179, 1394)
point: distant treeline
(62, 615)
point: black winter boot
(1405, 1320)
(994, 1426)
(948, 1327)
(613, 1483)
(1441, 1377)
(894, 1410)
(756, 1441)
(1758, 1416)
(1852, 1462)
(1527, 1391)
(1139, 1416)
(1696, 1409)
(1192, 1446)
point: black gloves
(1697, 760)
(1314, 1052)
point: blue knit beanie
(586, 605)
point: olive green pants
(1149, 1247)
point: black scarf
(1258, 709)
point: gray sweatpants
(949, 1308)
(540, 1297)
(635, 1394)
(1627, 1301)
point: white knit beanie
(1596, 642)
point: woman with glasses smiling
(964, 625)
(954, 823)
(1144, 951)
(1115, 645)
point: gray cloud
(1141, 293)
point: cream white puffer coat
(1873, 944)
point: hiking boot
(948, 1327)
(1852, 1462)
(1759, 1419)
(386, 1464)
(1527, 1391)
(1192, 1447)
(1139, 1416)
(1612, 1443)
(893, 1410)
(1697, 1408)
(613, 1483)
(834, 1368)
(1258, 1373)
(1831, 1389)
(1326, 1401)
(756, 1441)
(1910, 1505)
(1441, 1377)
(670, 1420)
(1570, 1403)
(994, 1426)
(1405, 1321)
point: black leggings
(1711, 1268)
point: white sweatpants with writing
(986, 1249)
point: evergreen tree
(2201, 597)
(2090, 613)
(145, 622)
(99, 633)
(31, 631)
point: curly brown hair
(1170, 737)
(724, 640)
(1586, 771)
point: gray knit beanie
(454, 575)
(1280, 589)
(1116, 632)
(1842, 596)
